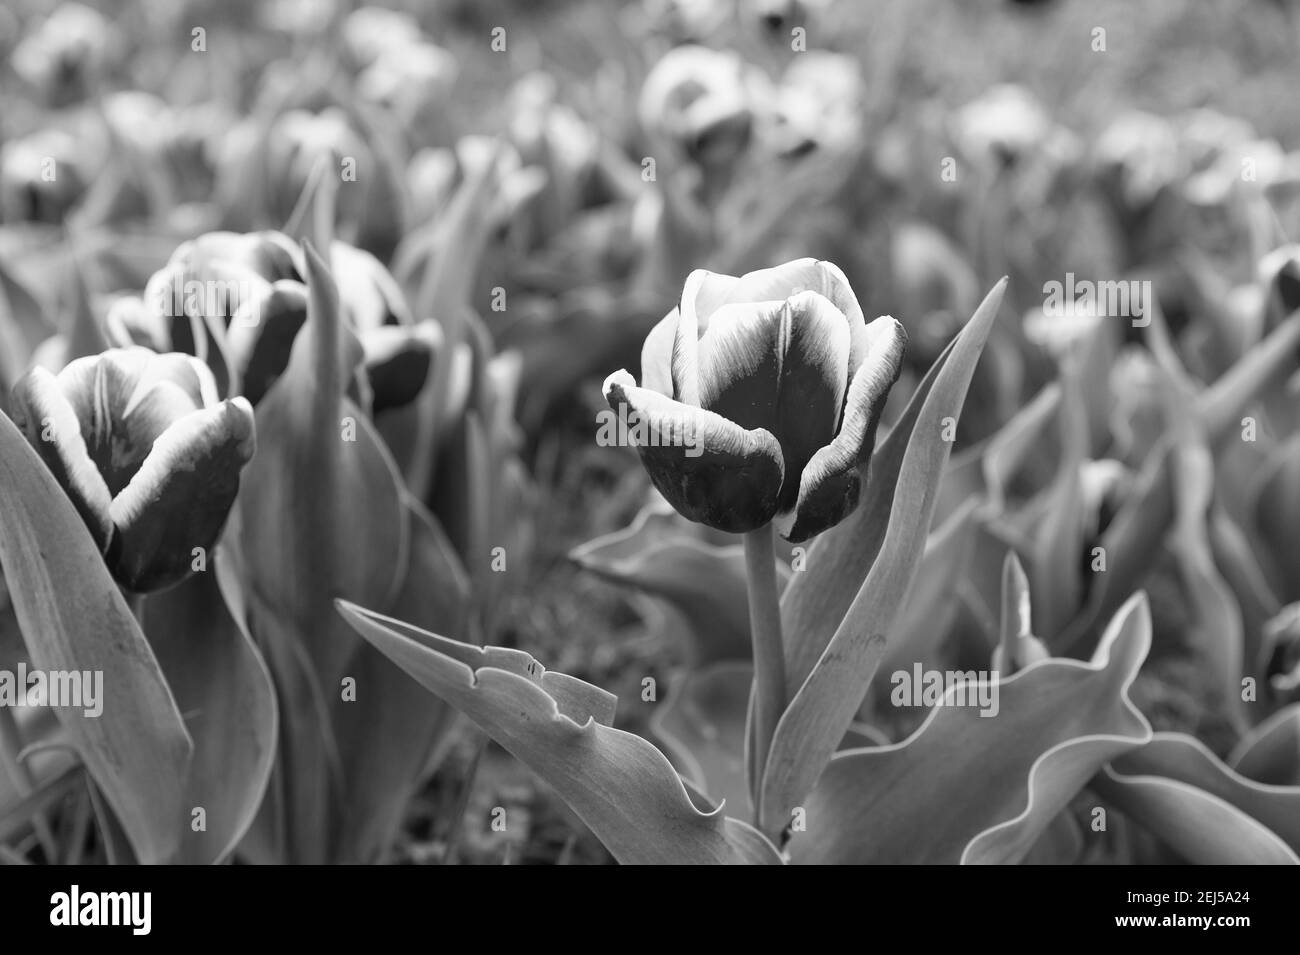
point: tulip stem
(769, 652)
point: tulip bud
(760, 398)
(148, 455)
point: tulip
(148, 455)
(245, 291)
(762, 395)
(698, 104)
(64, 58)
(779, 382)
(41, 177)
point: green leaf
(702, 726)
(73, 617)
(226, 698)
(320, 515)
(930, 608)
(1059, 536)
(703, 583)
(983, 789)
(1270, 753)
(385, 736)
(619, 784)
(1177, 789)
(833, 647)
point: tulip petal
(657, 355)
(41, 410)
(125, 398)
(740, 363)
(398, 361)
(181, 496)
(815, 346)
(710, 469)
(831, 481)
(261, 335)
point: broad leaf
(74, 618)
(830, 659)
(702, 725)
(226, 698)
(983, 789)
(619, 784)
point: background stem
(769, 652)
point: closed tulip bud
(760, 398)
(148, 455)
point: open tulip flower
(149, 456)
(764, 393)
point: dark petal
(261, 335)
(739, 361)
(829, 485)
(710, 469)
(782, 366)
(181, 496)
(814, 373)
(398, 360)
(657, 355)
(41, 411)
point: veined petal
(181, 496)
(710, 469)
(829, 486)
(657, 355)
(47, 419)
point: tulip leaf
(973, 789)
(1182, 759)
(836, 641)
(619, 784)
(74, 618)
(1059, 543)
(703, 583)
(1270, 753)
(385, 735)
(702, 725)
(930, 608)
(1276, 512)
(225, 695)
(320, 515)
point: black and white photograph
(650, 432)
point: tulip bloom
(149, 456)
(776, 383)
